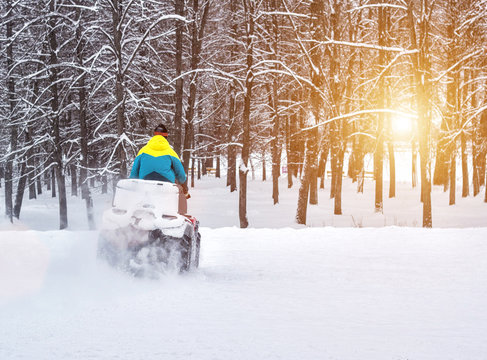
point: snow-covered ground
(390, 293)
(261, 293)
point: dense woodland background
(85, 81)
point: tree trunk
(288, 156)
(443, 159)
(338, 186)
(31, 170)
(74, 180)
(390, 151)
(32, 184)
(243, 168)
(178, 97)
(52, 178)
(450, 121)
(117, 13)
(275, 143)
(361, 179)
(309, 160)
(337, 127)
(232, 168)
(196, 40)
(303, 193)
(309, 178)
(342, 124)
(47, 180)
(313, 184)
(63, 209)
(203, 167)
(31, 153)
(276, 161)
(39, 184)
(232, 109)
(463, 139)
(392, 170)
(351, 173)
(422, 76)
(453, 185)
(92, 162)
(104, 184)
(292, 156)
(440, 176)
(322, 165)
(13, 128)
(379, 148)
(192, 171)
(414, 140)
(476, 151)
(333, 164)
(57, 153)
(475, 167)
(378, 165)
(218, 166)
(485, 181)
(83, 173)
(188, 138)
(20, 190)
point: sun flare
(401, 125)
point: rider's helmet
(160, 130)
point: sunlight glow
(401, 125)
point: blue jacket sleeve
(178, 170)
(134, 174)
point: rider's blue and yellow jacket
(158, 161)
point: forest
(304, 84)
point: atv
(144, 234)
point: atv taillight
(190, 219)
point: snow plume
(23, 264)
(155, 260)
(140, 253)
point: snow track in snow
(321, 293)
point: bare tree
(422, 77)
(249, 14)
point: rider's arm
(178, 170)
(134, 174)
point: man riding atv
(147, 231)
(158, 161)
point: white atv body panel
(145, 205)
